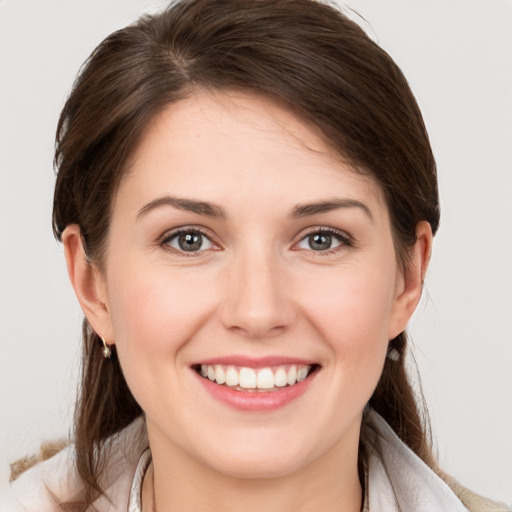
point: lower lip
(256, 400)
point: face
(250, 285)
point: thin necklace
(153, 487)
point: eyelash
(168, 237)
(346, 241)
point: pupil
(190, 241)
(320, 242)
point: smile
(256, 379)
(256, 385)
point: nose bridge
(256, 301)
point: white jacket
(398, 480)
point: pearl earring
(106, 349)
(394, 355)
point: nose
(258, 302)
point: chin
(258, 460)
(251, 469)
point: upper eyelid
(164, 240)
(324, 229)
(345, 239)
(170, 233)
(167, 235)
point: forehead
(230, 143)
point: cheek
(352, 309)
(154, 314)
(352, 314)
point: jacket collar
(399, 480)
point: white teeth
(249, 378)
(232, 377)
(302, 373)
(220, 376)
(265, 379)
(292, 375)
(280, 378)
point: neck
(330, 484)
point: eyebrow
(213, 210)
(190, 205)
(305, 210)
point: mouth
(256, 380)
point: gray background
(457, 56)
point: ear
(88, 283)
(410, 285)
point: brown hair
(303, 52)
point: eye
(324, 240)
(190, 240)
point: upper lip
(254, 362)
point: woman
(247, 198)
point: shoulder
(50, 483)
(43, 486)
(472, 501)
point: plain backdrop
(457, 56)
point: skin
(255, 288)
